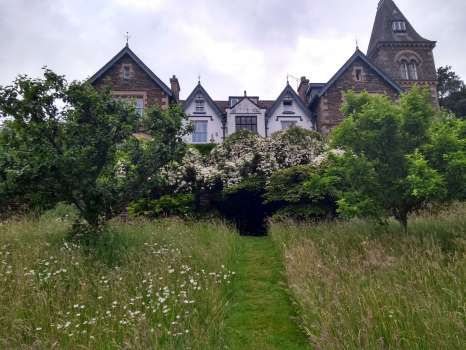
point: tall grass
(359, 286)
(146, 286)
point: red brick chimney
(175, 87)
(302, 89)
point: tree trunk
(402, 217)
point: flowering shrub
(243, 155)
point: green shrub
(181, 205)
(62, 211)
(300, 193)
(204, 149)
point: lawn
(360, 286)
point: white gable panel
(293, 113)
(214, 122)
(246, 108)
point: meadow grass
(162, 285)
(361, 286)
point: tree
(452, 91)
(446, 152)
(382, 141)
(69, 142)
(302, 192)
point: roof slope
(358, 55)
(387, 13)
(127, 51)
(288, 90)
(200, 90)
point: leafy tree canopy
(68, 142)
(383, 170)
(452, 91)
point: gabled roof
(358, 55)
(288, 90)
(387, 13)
(249, 98)
(314, 88)
(222, 105)
(127, 51)
(200, 90)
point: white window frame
(358, 74)
(200, 105)
(200, 136)
(286, 124)
(288, 105)
(138, 101)
(399, 26)
(412, 68)
(126, 72)
(404, 70)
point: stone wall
(388, 59)
(139, 83)
(328, 108)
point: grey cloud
(238, 44)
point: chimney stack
(175, 87)
(303, 88)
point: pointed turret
(391, 25)
(398, 49)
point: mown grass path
(261, 316)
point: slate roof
(222, 105)
(387, 13)
(357, 55)
(288, 90)
(127, 51)
(263, 104)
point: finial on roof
(127, 39)
(245, 93)
(357, 44)
(199, 79)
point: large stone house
(397, 58)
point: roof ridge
(138, 61)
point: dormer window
(199, 105)
(399, 26)
(233, 101)
(126, 72)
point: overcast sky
(235, 45)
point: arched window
(413, 70)
(404, 70)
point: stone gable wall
(138, 82)
(328, 109)
(387, 58)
